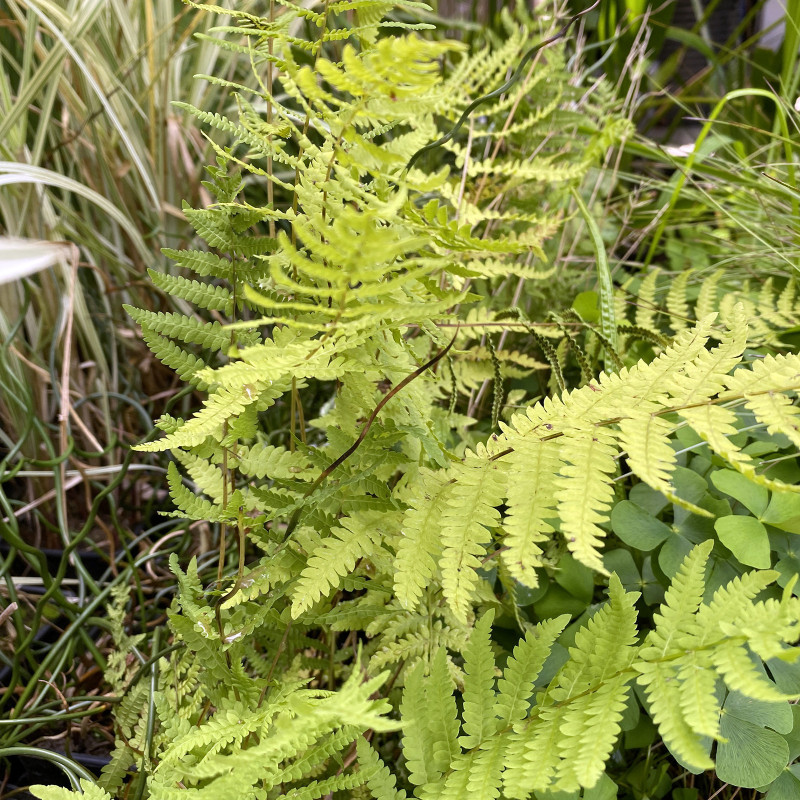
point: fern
(516, 686)
(625, 414)
(479, 722)
(693, 296)
(366, 532)
(560, 738)
(380, 780)
(466, 520)
(569, 740)
(210, 336)
(336, 556)
(88, 790)
(421, 760)
(419, 548)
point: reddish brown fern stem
(365, 430)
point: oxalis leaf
(746, 538)
(755, 753)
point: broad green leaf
(526, 596)
(586, 304)
(575, 577)
(89, 791)
(786, 786)
(746, 538)
(786, 675)
(649, 499)
(604, 789)
(689, 486)
(672, 554)
(636, 527)
(777, 716)
(479, 718)
(752, 755)
(752, 496)
(783, 511)
(621, 561)
(788, 567)
(793, 736)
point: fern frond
(708, 373)
(676, 622)
(764, 387)
(590, 729)
(523, 667)
(190, 330)
(220, 406)
(483, 770)
(208, 478)
(666, 708)
(277, 463)
(189, 504)
(336, 556)
(185, 364)
(326, 788)
(88, 791)
(734, 663)
(468, 516)
(420, 761)
(717, 424)
(567, 743)
(442, 718)
(677, 307)
(216, 298)
(479, 719)
(584, 490)
(707, 297)
(420, 547)
(646, 302)
(113, 774)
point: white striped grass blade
(21, 257)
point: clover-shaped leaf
(753, 755)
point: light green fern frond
(421, 763)
(203, 263)
(88, 791)
(185, 364)
(766, 387)
(223, 404)
(190, 330)
(189, 504)
(419, 546)
(584, 489)
(216, 298)
(523, 667)
(469, 514)
(443, 722)
(531, 503)
(646, 302)
(336, 556)
(695, 645)
(568, 741)
(479, 719)
(676, 303)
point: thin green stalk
(608, 321)
(72, 769)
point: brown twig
(365, 430)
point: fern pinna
(386, 615)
